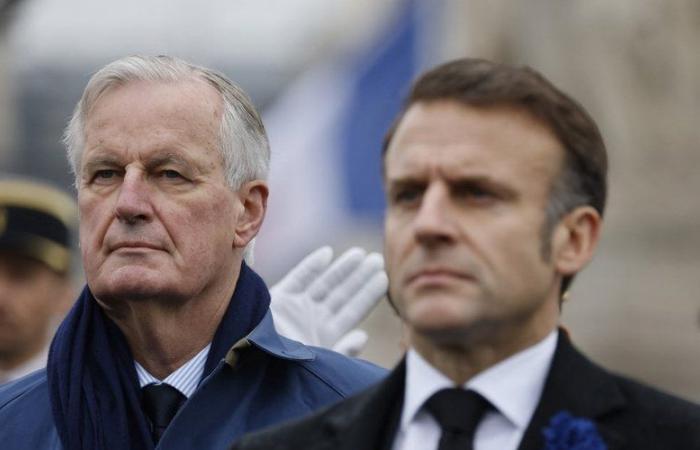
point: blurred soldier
(36, 223)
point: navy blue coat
(265, 379)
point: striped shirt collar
(185, 379)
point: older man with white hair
(171, 344)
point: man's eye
(406, 195)
(104, 175)
(172, 174)
(473, 192)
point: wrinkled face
(466, 191)
(156, 215)
(31, 295)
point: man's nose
(434, 222)
(134, 198)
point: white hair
(242, 139)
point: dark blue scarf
(95, 395)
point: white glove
(320, 305)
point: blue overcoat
(265, 379)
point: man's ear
(575, 239)
(253, 198)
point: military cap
(37, 220)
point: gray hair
(565, 195)
(243, 142)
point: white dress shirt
(185, 379)
(513, 387)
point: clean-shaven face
(467, 190)
(156, 215)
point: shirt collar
(185, 379)
(422, 381)
(513, 386)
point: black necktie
(160, 403)
(458, 412)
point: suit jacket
(626, 414)
(265, 379)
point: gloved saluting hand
(319, 303)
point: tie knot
(160, 403)
(457, 410)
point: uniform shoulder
(26, 386)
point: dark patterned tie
(458, 412)
(160, 403)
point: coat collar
(265, 337)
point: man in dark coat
(496, 186)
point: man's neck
(460, 361)
(163, 337)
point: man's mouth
(133, 246)
(437, 275)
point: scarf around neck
(93, 387)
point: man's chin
(448, 330)
(447, 312)
(130, 286)
(124, 294)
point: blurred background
(328, 76)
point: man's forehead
(158, 116)
(443, 120)
(184, 94)
(460, 139)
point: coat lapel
(576, 385)
(371, 420)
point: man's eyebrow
(485, 182)
(401, 178)
(100, 161)
(168, 158)
(451, 179)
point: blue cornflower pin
(566, 432)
